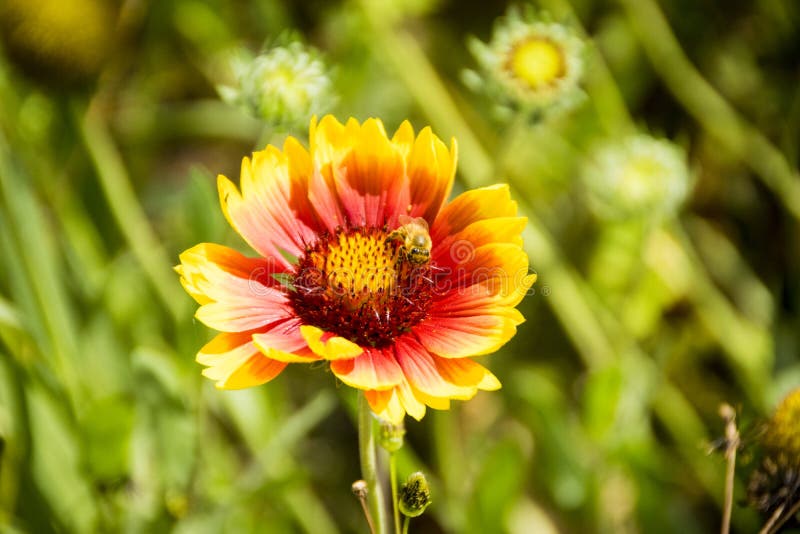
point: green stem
(393, 480)
(406, 521)
(369, 463)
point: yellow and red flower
(335, 282)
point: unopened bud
(638, 176)
(283, 85)
(360, 489)
(415, 495)
(390, 436)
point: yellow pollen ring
(537, 62)
(361, 264)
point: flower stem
(393, 480)
(369, 463)
(732, 437)
(406, 521)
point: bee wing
(404, 220)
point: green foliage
(637, 329)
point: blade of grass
(28, 243)
(129, 214)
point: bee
(413, 232)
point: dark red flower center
(360, 284)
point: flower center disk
(538, 62)
(359, 284)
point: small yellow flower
(530, 64)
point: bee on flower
(531, 65)
(414, 238)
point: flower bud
(415, 495)
(390, 435)
(360, 489)
(283, 86)
(638, 176)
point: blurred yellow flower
(530, 64)
(537, 61)
(62, 40)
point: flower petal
(470, 206)
(374, 369)
(466, 372)
(329, 140)
(321, 193)
(460, 337)
(403, 139)
(437, 403)
(241, 314)
(284, 342)
(272, 212)
(431, 171)
(502, 266)
(483, 299)
(371, 182)
(420, 369)
(367, 171)
(386, 405)
(410, 401)
(215, 263)
(237, 293)
(393, 404)
(329, 346)
(234, 362)
(456, 247)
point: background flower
(283, 85)
(532, 65)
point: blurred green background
(111, 134)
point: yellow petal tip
(333, 348)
